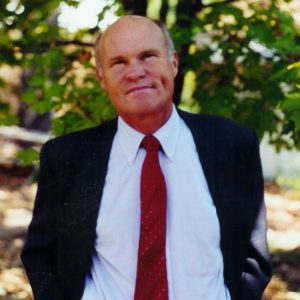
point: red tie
(151, 279)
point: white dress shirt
(194, 258)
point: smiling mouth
(139, 88)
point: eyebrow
(149, 51)
(120, 57)
(115, 58)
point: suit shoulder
(217, 125)
(103, 132)
(72, 148)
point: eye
(148, 56)
(118, 62)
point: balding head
(131, 21)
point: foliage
(6, 118)
(57, 66)
(245, 58)
(239, 59)
(28, 157)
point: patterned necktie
(151, 279)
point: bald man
(205, 236)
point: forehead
(131, 35)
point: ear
(99, 75)
(175, 63)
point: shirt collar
(168, 134)
(130, 139)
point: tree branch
(74, 42)
(219, 3)
(44, 46)
(135, 7)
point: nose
(135, 71)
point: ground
(283, 213)
(16, 201)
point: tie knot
(150, 143)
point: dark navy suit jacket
(60, 242)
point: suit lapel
(206, 148)
(213, 160)
(80, 211)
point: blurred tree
(239, 59)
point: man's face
(137, 72)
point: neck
(148, 124)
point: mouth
(139, 88)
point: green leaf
(292, 102)
(28, 157)
(29, 96)
(71, 121)
(54, 58)
(296, 118)
(6, 117)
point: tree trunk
(135, 7)
(189, 9)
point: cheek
(168, 81)
(111, 84)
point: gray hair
(166, 35)
(167, 38)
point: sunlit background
(85, 15)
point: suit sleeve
(39, 255)
(257, 269)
